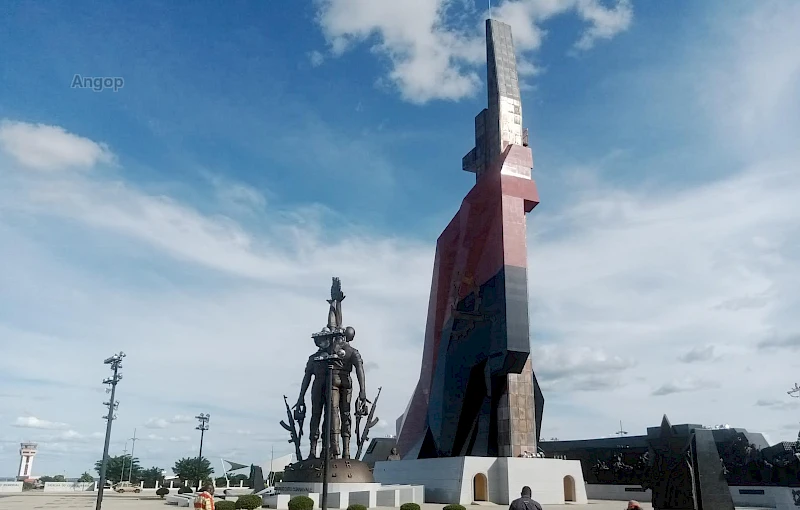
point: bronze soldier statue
(343, 390)
(333, 340)
(314, 368)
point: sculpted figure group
(335, 353)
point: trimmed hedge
(184, 490)
(356, 506)
(301, 503)
(224, 505)
(162, 491)
(409, 506)
(454, 507)
(249, 502)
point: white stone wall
(10, 486)
(441, 477)
(450, 480)
(68, 486)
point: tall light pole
(794, 392)
(124, 456)
(202, 427)
(116, 364)
(621, 432)
(130, 469)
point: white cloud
(434, 53)
(162, 423)
(180, 439)
(156, 423)
(316, 58)
(42, 147)
(32, 422)
(604, 23)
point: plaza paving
(137, 502)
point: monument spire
(477, 394)
(500, 124)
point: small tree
(114, 468)
(162, 491)
(192, 469)
(59, 478)
(45, 479)
(151, 476)
(86, 477)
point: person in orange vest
(205, 498)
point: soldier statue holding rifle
(336, 354)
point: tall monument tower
(477, 394)
(27, 451)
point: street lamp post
(133, 448)
(202, 427)
(794, 392)
(124, 456)
(116, 364)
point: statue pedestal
(340, 471)
(497, 480)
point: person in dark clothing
(525, 502)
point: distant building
(27, 451)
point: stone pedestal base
(339, 471)
(498, 480)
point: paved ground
(137, 502)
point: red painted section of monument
(487, 234)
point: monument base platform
(498, 480)
(342, 495)
(339, 471)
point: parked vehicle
(127, 487)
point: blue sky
(194, 217)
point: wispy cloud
(434, 55)
(32, 422)
(698, 354)
(50, 148)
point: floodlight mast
(794, 392)
(202, 427)
(116, 364)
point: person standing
(205, 499)
(525, 502)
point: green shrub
(162, 491)
(301, 503)
(356, 506)
(454, 507)
(409, 506)
(224, 505)
(184, 490)
(249, 502)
